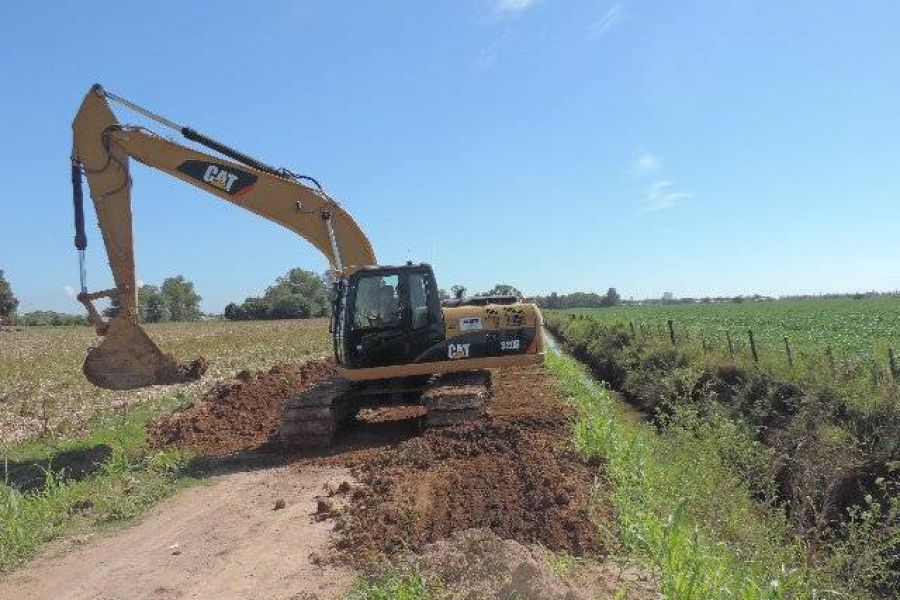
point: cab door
(423, 310)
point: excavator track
(453, 398)
(315, 416)
(312, 419)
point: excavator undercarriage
(314, 418)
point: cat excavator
(394, 339)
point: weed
(397, 583)
(680, 508)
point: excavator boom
(102, 148)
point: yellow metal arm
(127, 358)
(104, 147)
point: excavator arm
(102, 148)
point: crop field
(42, 389)
(857, 333)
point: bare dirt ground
(485, 505)
(222, 540)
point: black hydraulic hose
(196, 136)
(78, 205)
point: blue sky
(695, 147)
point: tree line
(298, 294)
(175, 300)
(579, 300)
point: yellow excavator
(394, 339)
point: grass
(98, 472)
(397, 583)
(131, 479)
(680, 509)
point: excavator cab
(387, 316)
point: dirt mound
(512, 472)
(240, 414)
(478, 564)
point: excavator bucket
(127, 359)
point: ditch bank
(832, 465)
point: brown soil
(478, 564)
(512, 472)
(221, 540)
(241, 414)
(388, 486)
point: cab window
(377, 302)
(418, 300)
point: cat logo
(455, 351)
(220, 178)
(226, 178)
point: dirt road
(480, 504)
(222, 540)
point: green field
(859, 332)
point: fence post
(787, 349)
(753, 346)
(892, 358)
(730, 344)
(672, 331)
(830, 353)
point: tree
(255, 308)
(503, 289)
(235, 312)
(554, 301)
(114, 308)
(442, 294)
(291, 307)
(152, 306)
(458, 291)
(308, 290)
(611, 298)
(50, 318)
(181, 300)
(8, 300)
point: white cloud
(513, 6)
(645, 163)
(70, 291)
(608, 21)
(661, 195)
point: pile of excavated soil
(513, 472)
(476, 563)
(239, 414)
